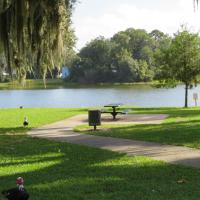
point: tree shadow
(14, 130)
(85, 173)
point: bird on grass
(17, 193)
(25, 123)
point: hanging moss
(35, 34)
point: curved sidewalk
(63, 131)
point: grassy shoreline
(59, 83)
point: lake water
(139, 95)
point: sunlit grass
(11, 120)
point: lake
(137, 95)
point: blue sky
(93, 18)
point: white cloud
(123, 16)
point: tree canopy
(129, 56)
(34, 34)
(181, 61)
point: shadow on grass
(195, 162)
(62, 171)
(14, 130)
(89, 173)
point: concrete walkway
(63, 131)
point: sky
(94, 18)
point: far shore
(59, 83)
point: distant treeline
(129, 56)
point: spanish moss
(35, 35)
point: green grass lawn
(63, 171)
(11, 120)
(182, 127)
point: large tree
(182, 61)
(34, 34)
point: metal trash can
(94, 118)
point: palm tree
(34, 33)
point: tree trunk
(186, 95)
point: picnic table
(114, 111)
